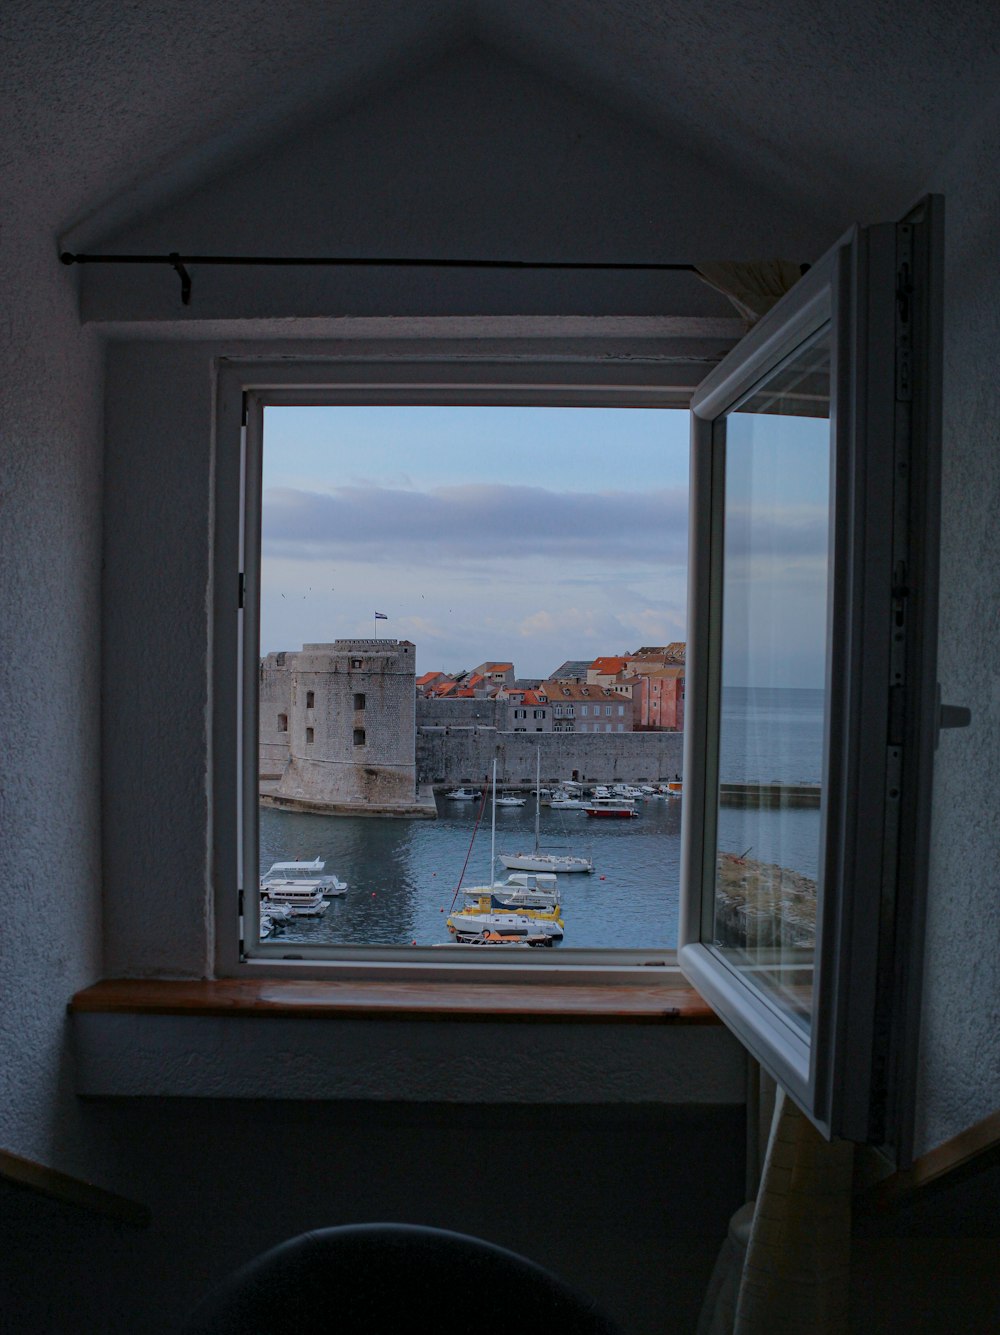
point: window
(757, 992)
(359, 736)
(310, 736)
(621, 710)
(803, 931)
(583, 710)
(310, 699)
(607, 711)
(282, 722)
(359, 701)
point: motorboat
(301, 900)
(611, 810)
(626, 790)
(566, 801)
(464, 795)
(310, 874)
(487, 914)
(523, 890)
(538, 861)
(503, 799)
(272, 919)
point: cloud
(476, 523)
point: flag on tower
(381, 616)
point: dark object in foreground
(374, 1278)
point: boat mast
(493, 828)
(538, 792)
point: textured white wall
(960, 1059)
(476, 158)
(50, 534)
(484, 159)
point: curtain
(752, 288)
(785, 1266)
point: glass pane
(777, 515)
(531, 596)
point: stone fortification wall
(461, 713)
(451, 756)
(351, 726)
(275, 696)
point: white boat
(487, 916)
(521, 891)
(529, 890)
(611, 810)
(564, 801)
(301, 900)
(310, 874)
(519, 910)
(509, 800)
(273, 918)
(626, 790)
(537, 860)
(464, 795)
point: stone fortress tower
(337, 729)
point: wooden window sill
(654, 1004)
(403, 1042)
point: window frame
(243, 386)
(855, 1074)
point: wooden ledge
(76, 1191)
(602, 1004)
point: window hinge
(243, 419)
(241, 592)
(239, 902)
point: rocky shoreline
(759, 904)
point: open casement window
(248, 390)
(813, 604)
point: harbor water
(402, 875)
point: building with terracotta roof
(603, 671)
(498, 674)
(582, 707)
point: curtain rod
(179, 262)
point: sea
(404, 876)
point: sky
(534, 535)
(524, 535)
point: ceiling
(872, 93)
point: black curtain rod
(178, 262)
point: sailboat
(537, 860)
(504, 914)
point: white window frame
(854, 1073)
(243, 388)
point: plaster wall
(475, 157)
(960, 1045)
(529, 169)
(50, 534)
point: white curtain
(752, 288)
(785, 1266)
